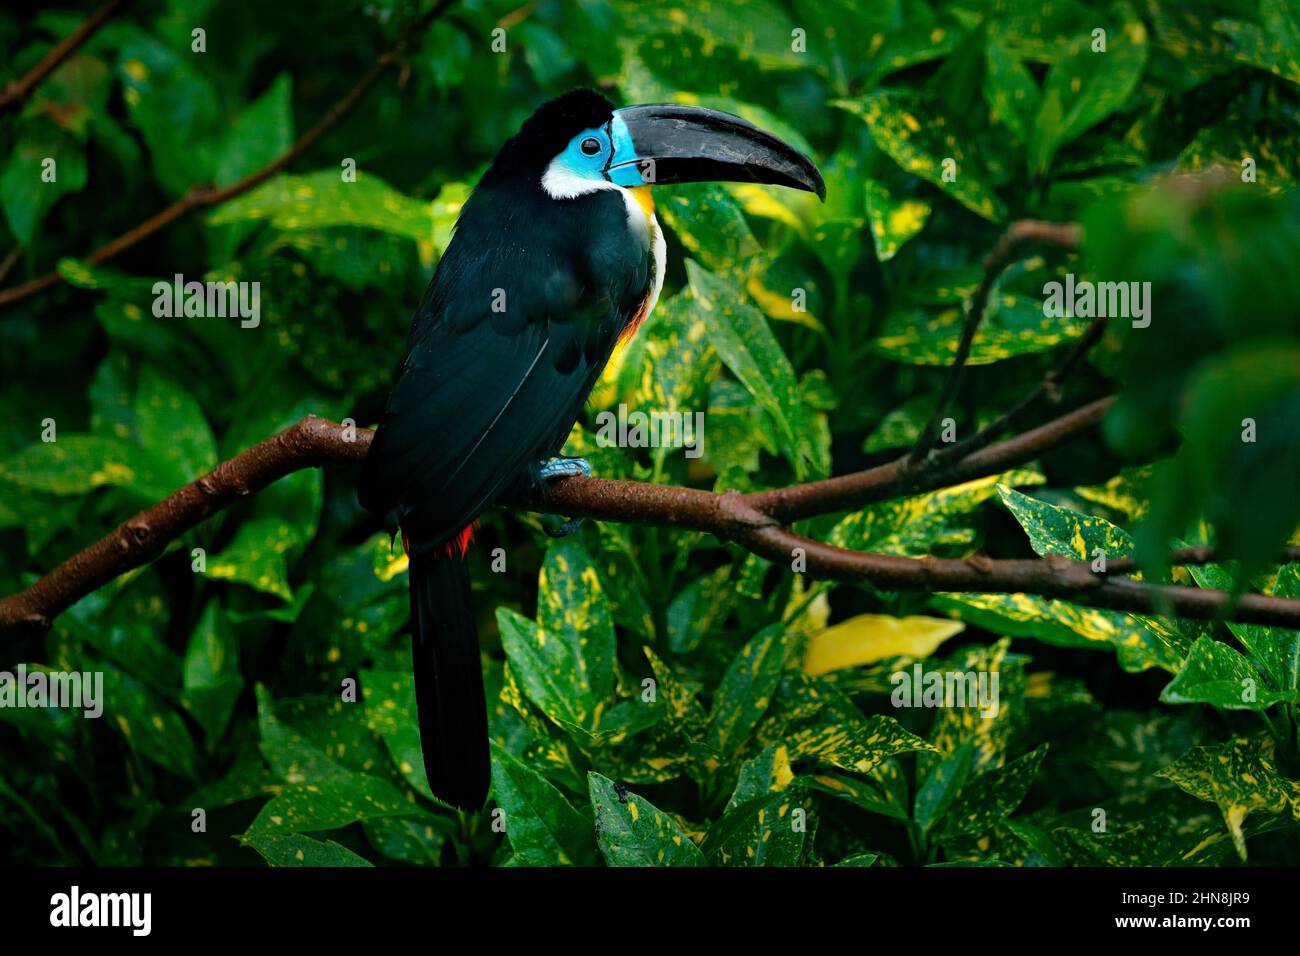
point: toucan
(556, 256)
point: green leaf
(941, 787)
(746, 689)
(1241, 778)
(711, 226)
(149, 724)
(390, 712)
(291, 755)
(294, 849)
(915, 135)
(1274, 650)
(1216, 674)
(1274, 45)
(762, 775)
(987, 799)
(1084, 87)
(1015, 325)
(632, 831)
(328, 804)
(1010, 91)
(1054, 530)
(212, 679)
(766, 831)
(322, 199)
(175, 108)
(173, 429)
(256, 557)
(261, 133)
(27, 191)
(565, 660)
(859, 746)
(895, 215)
(76, 464)
(743, 339)
(542, 827)
(920, 524)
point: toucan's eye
(590, 146)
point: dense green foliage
(657, 697)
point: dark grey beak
(669, 143)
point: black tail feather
(449, 681)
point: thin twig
(207, 196)
(16, 92)
(1018, 235)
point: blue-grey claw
(564, 468)
(563, 528)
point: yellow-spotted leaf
(868, 638)
(390, 713)
(768, 830)
(1273, 45)
(917, 525)
(1086, 85)
(746, 689)
(986, 799)
(1240, 777)
(1010, 91)
(294, 849)
(743, 339)
(255, 556)
(328, 804)
(981, 690)
(861, 793)
(543, 828)
(565, 660)
(920, 139)
(1216, 674)
(1139, 643)
(631, 831)
(322, 199)
(76, 464)
(859, 746)
(766, 773)
(895, 216)
(1014, 326)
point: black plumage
(522, 314)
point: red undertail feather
(455, 548)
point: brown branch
(16, 92)
(754, 521)
(207, 196)
(1018, 235)
(1194, 555)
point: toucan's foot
(553, 525)
(563, 468)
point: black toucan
(556, 256)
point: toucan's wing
(502, 354)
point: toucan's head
(578, 143)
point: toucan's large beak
(670, 143)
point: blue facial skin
(599, 160)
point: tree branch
(16, 92)
(207, 196)
(754, 521)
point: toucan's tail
(449, 681)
